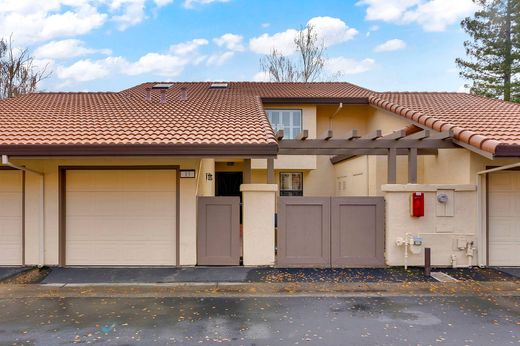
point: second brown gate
(218, 231)
(330, 232)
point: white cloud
(66, 49)
(431, 15)
(83, 71)
(188, 47)
(346, 66)
(193, 3)
(231, 42)
(390, 46)
(131, 12)
(463, 89)
(283, 42)
(219, 58)
(387, 10)
(436, 15)
(261, 77)
(39, 20)
(330, 31)
(45, 22)
(159, 64)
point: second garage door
(504, 219)
(120, 217)
(11, 215)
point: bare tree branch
(18, 75)
(306, 67)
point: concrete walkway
(7, 272)
(513, 271)
(76, 275)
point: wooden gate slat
(218, 231)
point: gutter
(41, 256)
(482, 210)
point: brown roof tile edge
(196, 150)
(480, 142)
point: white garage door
(120, 217)
(11, 199)
(504, 219)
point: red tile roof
(487, 124)
(233, 117)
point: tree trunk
(508, 62)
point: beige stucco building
(193, 173)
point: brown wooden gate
(218, 231)
(330, 232)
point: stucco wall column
(207, 178)
(258, 210)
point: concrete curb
(260, 289)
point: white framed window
(288, 120)
(291, 184)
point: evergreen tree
(493, 53)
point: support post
(412, 166)
(246, 173)
(427, 261)
(270, 171)
(392, 166)
(258, 210)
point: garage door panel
(11, 206)
(110, 253)
(111, 228)
(116, 217)
(10, 181)
(504, 218)
(130, 180)
(121, 203)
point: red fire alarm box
(417, 204)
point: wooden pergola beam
(392, 166)
(279, 135)
(327, 135)
(363, 143)
(352, 135)
(412, 166)
(396, 135)
(352, 153)
(303, 135)
(373, 135)
(420, 135)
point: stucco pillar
(258, 211)
(207, 178)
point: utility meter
(442, 198)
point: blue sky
(102, 45)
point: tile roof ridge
(423, 92)
(467, 136)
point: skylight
(218, 85)
(162, 86)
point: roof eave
(507, 150)
(315, 100)
(185, 150)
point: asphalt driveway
(262, 321)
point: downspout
(340, 106)
(481, 211)
(41, 257)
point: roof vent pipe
(163, 96)
(184, 94)
(148, 96)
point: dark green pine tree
(492, 65)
